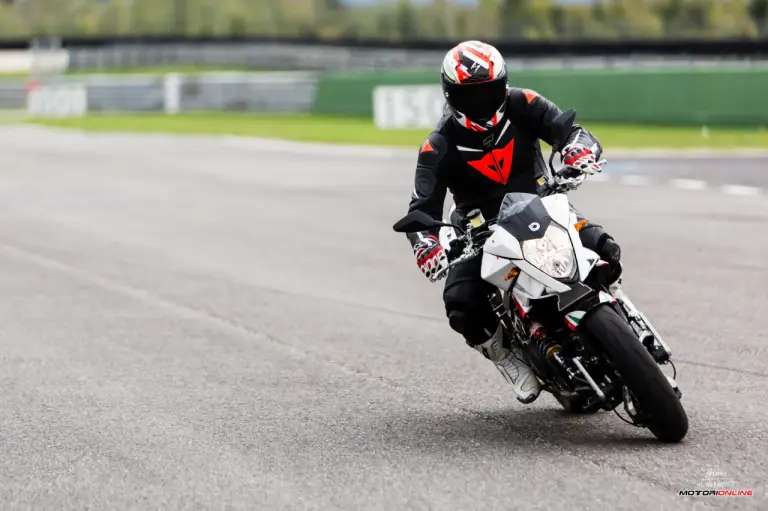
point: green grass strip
(342, 130)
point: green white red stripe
(572, 319)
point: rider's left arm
(539, 114)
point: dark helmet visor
(478, 101)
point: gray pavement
(743, 170)
(716, 167)
(191, 324)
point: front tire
(639, 372)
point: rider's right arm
(429, 189)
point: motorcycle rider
(485, 146)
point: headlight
(553, 254)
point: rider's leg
(594, 237)
(470, 314)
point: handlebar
(456, 261)
(565, 179)
(466, 246)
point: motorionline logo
(714, 484)
(716, 493)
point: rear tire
(639, 372)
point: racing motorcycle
(592, 350)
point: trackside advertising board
(724, 95)
(407, 106)
(57, 101)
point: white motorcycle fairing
(529, 216)
(446, 233)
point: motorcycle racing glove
(431, 257)
(578, 156)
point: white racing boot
(524, 382)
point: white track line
(689, 184)
(682, 184)
(635, 180)
(741, 190)
(689, 154)
(378, 151)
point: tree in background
(443, 19)
(579, 21)
(707, 18)
(758, 9)
(439, 23)
(729, 18)
(512, 15)
(484, 20)
(635, 20)
(12, 23)
(538, 20)
(386, 23)
(407, 20)
(327, 19)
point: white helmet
(474, 80)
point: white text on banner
(69, 100)
(407, 107)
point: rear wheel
(639, 372)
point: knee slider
(457, 319)
(594, 237)
(610, 251)
(472, 325)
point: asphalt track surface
(742, 170)
(194, 324)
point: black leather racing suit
(479, 168)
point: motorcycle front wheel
(639, 372)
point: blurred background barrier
(28, 62)
(175, 92)
(247, 55)
(729, 96)
(107, 55)
(652, 62)
(715, 96)
(322, 56)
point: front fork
(648, 335)
(643, 328)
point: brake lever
(457, 261)
(455, 250)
